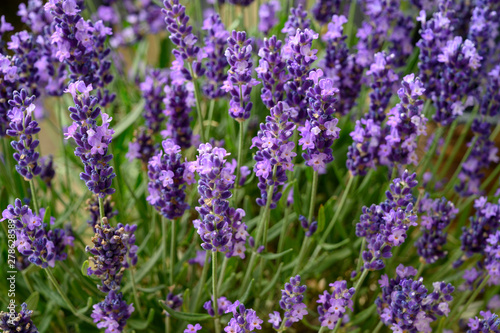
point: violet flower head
(406, 304)
(220, 226)
(222, 305)
(275, 153)
(190, 328)
(272, 71)
(436, 216)
(483, 31)
(489, 323)
(216, 65)
(300, 55)
(142, 146)
(244, 320)
(292, 303)
(239, 82)
(333, 306)
(405, 124)
(22, 322)
(179, 100)
(242, 3)
(47, 173)
(23, 127)
(181, 34)
(91, 139)
(492, 261)
(340, 66)
(268, 16)
(324, 9)
(113, 251)
(385, 226)
(174, 302)
(309, 227)
(320, 129)
(296, 20)
(152, 89)
(112, 313)
(167, 182)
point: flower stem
(281, 242)
(65, 154)
(430, 154)
(472, 298)
(101, 208)
(447, 141)
(459, 167)
(322, 329)
(337, 326)
(198, 103)
(172, 253)
(215, 292)
(66, 299)
(33, 196)
(305, 243)
(420, 269)
(134, 289)
(222, 272)
(210, 116)
(163, 222)
(201, 283)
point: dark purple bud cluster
(492, 260)
(320, 129)
(181, 34)
(152, 89)
(214, 49)
(309, 228)
(385, 226)
(333, 305)
(436, 216)
(81, 45)
(340, 66)
(296, 20)
(113, 251)
(142, 146)
(244, 320)
(23, 128)
(243, 3)
(272, 71)
(483, 30)
(239, 82)
(489, 323)
(292, 302)
(93, 208)
(112, 313)
(179, 100)
(324, 9)
(174, 301)
(222, 305)
(91, 139)
(406, 305)
(167, 181)
(268, 16)
(275, 153)
(21, 323)
(299, 55)
(41, 247)
(47, 173)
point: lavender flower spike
(292, 302)
(244, 320)
(21, 323)
(333, 305)
(239, 82)
(112, 313)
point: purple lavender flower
(112, 253)
(215, 46)
(320, 129)
(309, 228)
(385, 226)
(47, 173)
(152, 89)
(112, 313)
(405, 124)
(220, 226)
(199, 258)
(300, 55)
(333, 305)
(239, 82)
(41, 248)
(489, 323)
(222, 305)
(272, 71)
(93, 208)
(92, 140)
(340, 66)
(492, 261)
(174, 302)
(324, 9)
(181, 35)
(438, 215)
(483, 31)
(267, 16)
(166, 181)
(275, 153)
(22, 320)
(190, 328)
(292, 303)
(296, 20)
(24, 127)
(244, 320)
(142, 146)
(406, 305)
(243, 3)
(81, 45)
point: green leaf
(321, 219)
(46, 216)
(85, 267)
(87, 307)
(140, 324)
(32, 301)
(272, 283)
(330, 247)
(247, 292)
(271, 256)
(129, 119)
(297, 205)
(189, 317)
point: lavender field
(248, 166)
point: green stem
(222, 272)
(201, 283)
(281, 241)
(66, 299)
(378, 327)
(101, 208)
(65, 154)
(163, 222)
(360, 257)
(172, 253)
(33, 196)
(136, 294)
(215, 292)
(472, 298)
(459, 167)
(449, 136)
(430, 154)
(420, 269)
(322, 329)
(493, 176)
(210, 115)
(240, 150)
(305, 243)
(198, 103)
(337, 326)
(350, 31)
